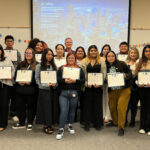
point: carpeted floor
(106, 139)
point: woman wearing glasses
(26, 93)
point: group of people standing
(57, 103)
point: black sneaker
(121, 132)
(18, 126)
(60, 134)
(98, 128)
(29, 127)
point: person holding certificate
(106, 48)
(144, 90)
(106, 112)
(26, 90)
(38, 47)
(80, 54)
(59, 58)
(47, 107)
(70, 79)
(15, 56)
(5, 86)
(132, 60)
(119, 78)
(68, 46)
(123, 51)
(92, 105)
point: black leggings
(26, 107)
(4, 101)
(145, 108)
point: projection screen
(87, 22)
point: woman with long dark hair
(60, 53)
(45, 109)
(106, 48)
(26, 92)
(106, 112)
(144, 92)
(118, 96)
(80, 54)
(5, 86)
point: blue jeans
(68, 101)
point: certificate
(5, 72)
(11, 54)
(60, 62)
(72, 73)
(66, 53)
(115, 79)
(122, 57)
(144, 78)
(38, 57)
(95, 79)
(48, 77)
(24, 76)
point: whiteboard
(21, 36)
(139, 37)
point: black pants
(133, 104)
(47, 107)
(145, 108)
(92, 107)
(12, 108)
(4, 101)
(25, 107)
(81, 100)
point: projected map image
(85, 21)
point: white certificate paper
(115, 79)
(48, 77)
(95, 79)
(11, 54)
(5, 72)
(144, 78)
(66, 53)
(60, 62)
(24, 76)
(122, 57)
(38, 57)
(72, 73)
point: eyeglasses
(28, 53)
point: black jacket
(73, 86)
(26, 89)
(123, 68)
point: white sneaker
(148, 133)
(60, 134)
(70, 129)
(18, 126)
(29, 127)
(142, 131)
(15, 119)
